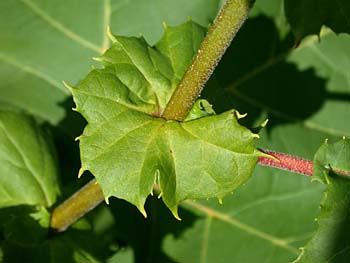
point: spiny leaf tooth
(327, 167)
(140, 35)
(81, 171)
(175, 213)
(142, 210)
(160, 195)
(239, 115)
(313, 179)
(220, 200)
(99, 59)
(255, 135)
(67, 86)
(79, 137)
(110, 34)
(344, 138)
(165, 25)
(107, 200)
(264, 123)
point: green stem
(81, 202)
(219, 36)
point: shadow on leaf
(145, 236)
(68, 149)
(24, 237)
(254, 76)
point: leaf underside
(129, 148)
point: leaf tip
(110, 35)
(220, 200)
(264, 123)
(141, 36)
(239, 115)
(175, 213)
(67, 86)
(98, 59)
(81, 171)
(142, 211)
(255, 135)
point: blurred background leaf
(307, 17)
(304, 92)
(49, 42)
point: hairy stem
(287, 162)
(81, 202)
(91, 194)
(219, 36)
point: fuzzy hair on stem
(219, 37)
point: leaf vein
(242, 226)
(60, 27)
(109, 99)
(26, 164)
(119, 139)
(32, 71)
(140, 70)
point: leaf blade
(28, 166)
(126, 147)
(331, 243)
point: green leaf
(128, 150)
(304, 94)
(73, 246)
(265, 220)
(148, 76)
(28, 169)
(307, 17)
(308, 84)
(200, 108)
(275, 11)
(43, 43)
(24, 225)
(25, 237)
(331, 242)
(329, 59)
